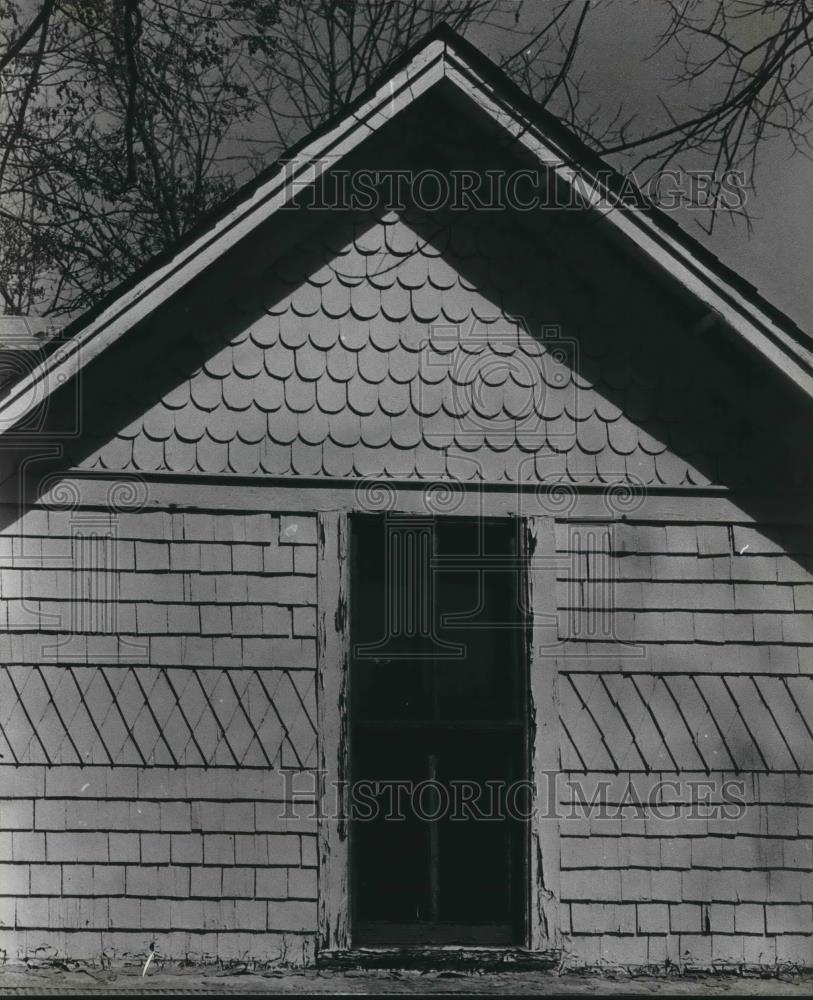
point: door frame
(334, 936)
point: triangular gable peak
(442, 345)
(442, 59)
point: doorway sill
(455, 957)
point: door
(438, 734)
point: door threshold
(430, 957)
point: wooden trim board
(540, 579)
(332, 567)
(259, 494)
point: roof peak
(442, 55)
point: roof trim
(442, 55)
(667, 246)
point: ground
(67, 981)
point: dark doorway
(438, 732)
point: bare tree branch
(17, 46)
(126, 121)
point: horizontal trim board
(497, 958)
(91, 491)
(687, 770)
(681, 673)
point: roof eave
(422, 72)
(760, 331)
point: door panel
(438, 732)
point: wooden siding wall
(716, 687)
(151, 688)
(140, 792)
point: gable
(439, 346)
(442, 66)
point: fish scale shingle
(392, 345)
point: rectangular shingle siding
(140, 791)
(699, 671)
